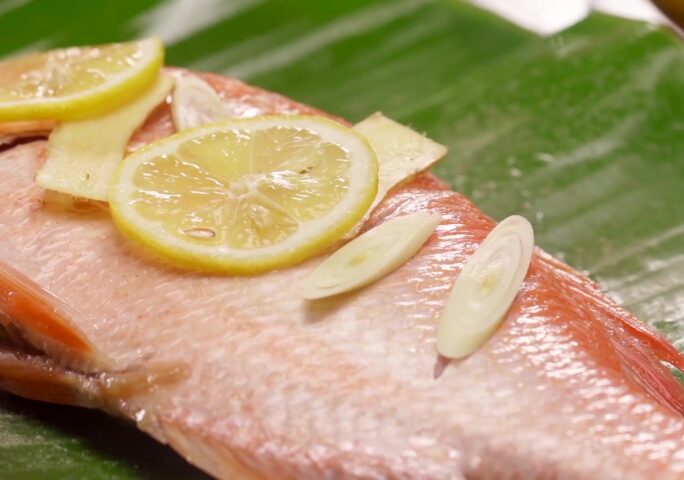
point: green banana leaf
(582, 132)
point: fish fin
(137, 379)
(39, 337)
(659, 345)
(642, 351)
(33, 375)
(643, 365)
(45, 322)
(640, 348)
(38, 379)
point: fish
(248, 380)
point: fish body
(248, 380)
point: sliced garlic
(371, 256)
(486, 288)
(195, 103)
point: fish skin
(570, 386)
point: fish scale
(570, 386)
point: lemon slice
(77, 82)
(246, 195)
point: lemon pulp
(78, 81)
(247, 195)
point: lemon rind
(117, 90)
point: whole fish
(247, 380)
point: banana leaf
(582, 132)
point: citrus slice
(246, 195)
(77, 82)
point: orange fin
(36, 378)
(662, 348)
(39, 378)
(45, 322)
(642, 350)
(130, 382)
(643, 364)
